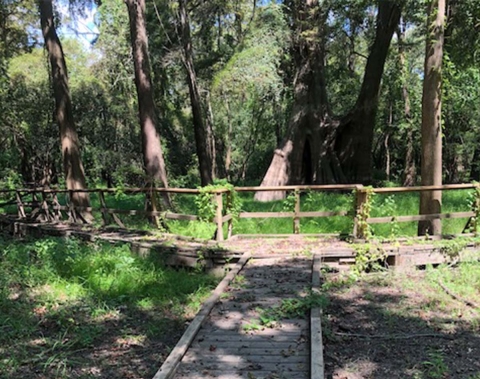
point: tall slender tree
(409, 172)
(201, 122)
(152, 149)
(431, 165)
(72, 163)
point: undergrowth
(61, 296)
(288, 308)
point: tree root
(458, 298)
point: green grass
(407, 204)
(402, 204)
(463, 281)
(320, 201)
(59, 296)
(383, 205)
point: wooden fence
(44, 205)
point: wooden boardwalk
(233, 344)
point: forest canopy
(179, 92)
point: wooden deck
(232, 344)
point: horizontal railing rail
(42, 204)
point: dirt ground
(123, 345)
(386, 325)
(399, 326)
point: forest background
(232, 70)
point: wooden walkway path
(233, 344)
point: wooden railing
(424, 217)
(297, 214)
(45, 205)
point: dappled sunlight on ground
(399, 326)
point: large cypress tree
(320, 147)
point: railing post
(56, 207)
(476, 209)
(219, 216)
(103, 206)
(20, 209)
(105, 212)
(360, 199)
(296, 218)
(229, 207)
(35, 205)
(71, 208)
(153, 200)
(45, 207)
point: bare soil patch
(399, 325)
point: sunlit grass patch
(399, 204)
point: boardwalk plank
(225, 347)
(243, 359)
(210, 374)
(240, 364)
(256, 349)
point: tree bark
(152, 148)
(72, 164)
(354, 142)
(409, 172)
(310, 109)
(431, 167)
(387, 145)
(319, 148)
(201, 123)
(475, 164)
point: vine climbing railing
(219, 205)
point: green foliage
(452, 248)
(207, 206)
(474, 205)
(249, 98)
(462, 279)
(11, 180)
(290, 200)
(59, 296)
(368, 257)
(289, 308)
(363, 213)
(435, 367)
(389, 208)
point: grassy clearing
(383, 205)
(61, 300)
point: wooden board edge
(317, 366)
(170, 366)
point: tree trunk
(310, 108)
(228, 140)
(475, 165)
(319, 149)
(152, 148)
(353, 144)
(409, 172)
(202, 126)
(431, 201)
(72, 164)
